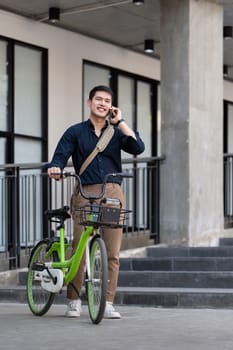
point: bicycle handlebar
(65, 174)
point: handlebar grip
(128, 175)
(123, 175)
(63, 174)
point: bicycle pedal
(38, 266)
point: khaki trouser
(111, 237)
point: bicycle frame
(73, 263)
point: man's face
(100, 104)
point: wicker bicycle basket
(99, 215)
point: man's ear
(89, 102)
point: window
(138, 99)
(3, 86)
(93, 76)
(228, 164)
(228, 129)
(23, 102)
(23, 134)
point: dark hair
(100, 88)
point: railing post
(14, 219)
(154, 198)
(46, 200)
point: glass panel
(126, 102)
(93, 76)
(126, 98)
(3, 211)
(27, 91)
(27, 151)
(3, 86)
(4, 185)
(159, 121)
(2, 151)
(230, 129)
(144, 123)
(144, 119)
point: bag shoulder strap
(100, 147)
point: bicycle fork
(88, 269)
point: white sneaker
(74, 308)
(110, 312)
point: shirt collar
(92, 126)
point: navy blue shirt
(78, 142)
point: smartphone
(111, 115)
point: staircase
(185, 277)
(192, 277)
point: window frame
(10, 134)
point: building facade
(176, 103)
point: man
(78, 141)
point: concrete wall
(192, 122)
(206, 122)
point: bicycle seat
(61, 213)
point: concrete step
(177, 264)
(227, 241)
(176, 297)
(176, 279)
(170, 272)
(220, 251)
(154, 297)
(167, 277)
(211, 270)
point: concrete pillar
(192, 122)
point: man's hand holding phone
(115, 116)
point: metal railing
(26, 192)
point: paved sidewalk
(140, 328)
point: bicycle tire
(97, 284)
(39, 300)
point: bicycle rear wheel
(39, 300)
(97, 283)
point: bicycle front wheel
(39, 299)
(98, 279)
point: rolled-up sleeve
(132, 146)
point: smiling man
(78, 142)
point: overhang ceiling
(119, 22)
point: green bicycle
(48, 268)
